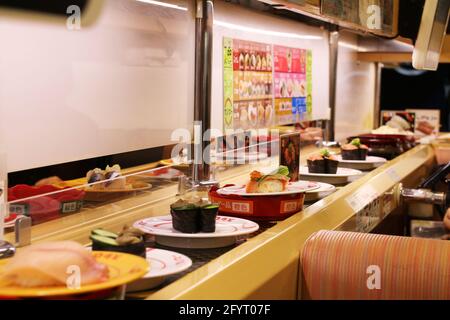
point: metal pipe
(203, 80)
(333, 55)
(377, 106)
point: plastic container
(260, 208)
(44, 203)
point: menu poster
(228, 83)
(265, 85)
(427, 121)
(290, 154)
(401, 120)
(247, 84)
(290, 88)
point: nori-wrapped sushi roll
(208, 215)
(130, 240)
(185, 217)
(354, 151)
(331, 165)
(316, 164)
(323, 163)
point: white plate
(343, 175)
(292, 188)
(324, 190)
(11, 223)
(228, 231)
(163, 263)
(371, 162)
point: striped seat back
(351, 265)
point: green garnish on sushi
(356, 142)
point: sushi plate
(108, 194)
(324, 190)
(370, 163)
(292, 188)
(123, 268)
(160, 174)
(342, 176)
(228, 231)
(163, 263)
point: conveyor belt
(199, 258)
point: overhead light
(266, 32)
(163, 4)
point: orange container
(262, 208)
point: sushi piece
(46, 264)
(94, 176)
(316, 164)
(354, 150)
(113, 178)
(110, 177)
(323, 163)
(208, 215)
(185, 217)
(129, 240)
(275, 181)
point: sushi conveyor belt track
(199, 258)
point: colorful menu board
(290, 84)
(249, 100)
(265, 85)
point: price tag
(361, 198)
(393, 175)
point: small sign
(290, 154)
(427, 121)
(393, 175)
(361, 198)
(19, 209)
(71, 206)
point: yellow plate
(123, 268)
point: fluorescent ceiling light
(163, 4)
(266, 32)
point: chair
(352, 266)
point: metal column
(202, 102)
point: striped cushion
(343, 265)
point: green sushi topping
(325, 153)
(104, 240)
(356, 142)
(281, 172)
(211, 206)
(104, 233)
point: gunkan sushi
(354, 150)
(322, 163)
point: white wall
(122, 84)
(242, 23)
(355, 92)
